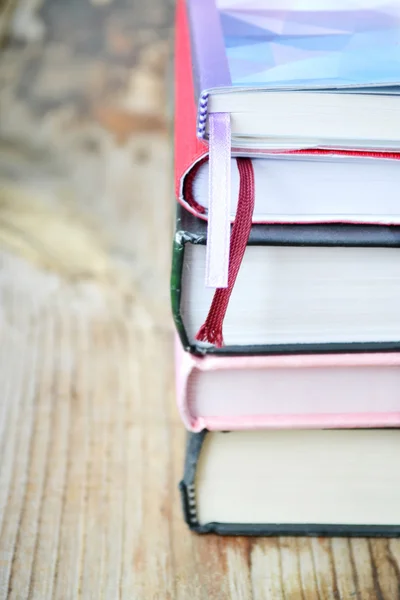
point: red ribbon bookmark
(211, 331)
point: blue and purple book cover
(294, 45)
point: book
(278, 69)
(294, 391)
(300, 188)
(300, 289)
(190, 150)
(293, 482)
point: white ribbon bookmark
(219, 191)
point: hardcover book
(278, 69)
(299, 188)
(300, 289)
(294, 391)
(293, 482)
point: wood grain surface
(90, 441)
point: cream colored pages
(311, 119)
(305, 477)
(287, 294)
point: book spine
(194, 443)
(176, 285)
(185, 365)
(188, 147)
(188, 500)
(202, 114)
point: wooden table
(91, 444)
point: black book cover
(188, 497)
(192, 230)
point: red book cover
(188, 148)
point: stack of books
(286, 265)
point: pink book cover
(295, 391)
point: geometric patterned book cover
(307, 42)
(295, 44)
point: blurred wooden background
(90, 442)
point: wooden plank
(385, 572)
(21, 574)
(307, 569)
(15, 466)
(48, 535)
(360, 550)
(71, 543)
(91, 444)
(324, 568)
(266, 569)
